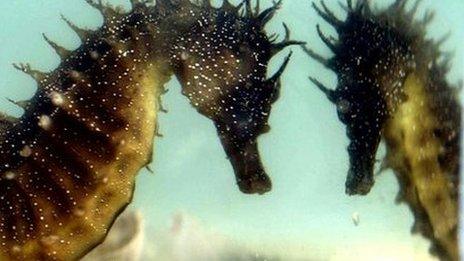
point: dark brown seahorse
(392, 86)
(226, 81)
(68, 164)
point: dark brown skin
(68, 165)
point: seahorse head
(221, 63)
(371, 59)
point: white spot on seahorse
(26, 151)
(79, 212)
(94, 55)
(184, 55)
(57, 98)
(9, 175)
(49, 240)
(75, 74)
(16, 249)
(45, 122)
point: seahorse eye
(345, 109)
(343, 106)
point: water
(191, 207)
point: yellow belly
(413, 154)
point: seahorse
(392, 87)
(68, 164)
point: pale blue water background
(307, 216)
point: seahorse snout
(360, 178)
(246, 162)
(251, 176)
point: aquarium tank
(230, 129)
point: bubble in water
(355, 218)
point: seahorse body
(68, 164)
(391, 86)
